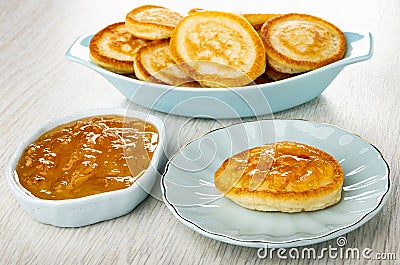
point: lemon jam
(87, 156)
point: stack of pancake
(214, 48)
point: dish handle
(79, 50)
(359, 48)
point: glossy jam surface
(284, 166)
(87, 156)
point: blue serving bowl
(237, 102)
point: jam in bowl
(88, 167)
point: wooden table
(37, 84)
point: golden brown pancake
(285, 176)
(262, 79)
(152, 22)
(297, 43)
(153, 63)
(275, 75)
(218, 49)
(195, 10)
(192, 84)
(257, 20)
(113, 48)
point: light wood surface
(37, 84)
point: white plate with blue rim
(189, 191)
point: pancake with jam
(152, 22)
(284, 176)
(113, 48)
(296, 43)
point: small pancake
(284, 176)
(195, 10)
(192, 84)
(275, 75)
(153, 63)
(113, 48)
(297, 43)
(262, 79)
(257, 20)
(218, 49)
(152, 22)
